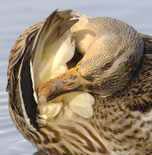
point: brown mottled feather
(17, 50)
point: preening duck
(82, 85)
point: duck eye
(75, 59)
(107, 65)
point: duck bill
(70, 81)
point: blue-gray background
(16, 15)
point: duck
(82, 85)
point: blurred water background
(16, 15)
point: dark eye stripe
(107, 65)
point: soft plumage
(81, 85)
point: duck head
(106, 55)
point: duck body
(101, 104)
